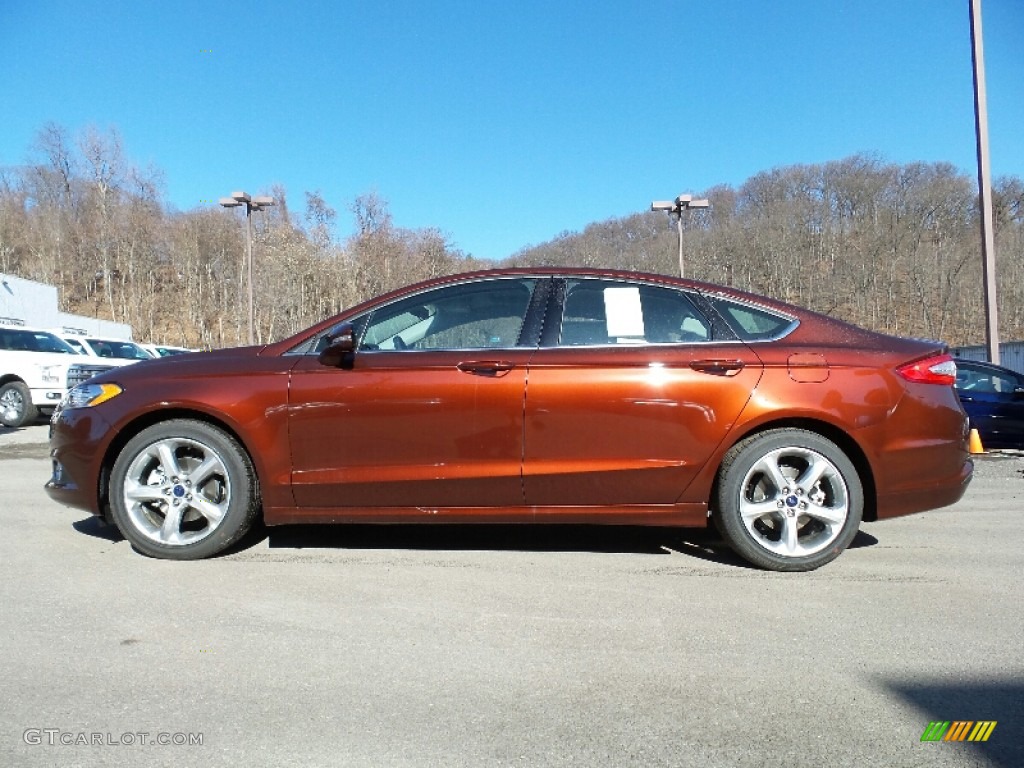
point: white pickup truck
(99, 354)
(33, 373)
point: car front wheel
(183, 490)
(788, 500)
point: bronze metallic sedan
(528, 396)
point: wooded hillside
(891, 247)
(89, 221)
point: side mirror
(341, 346)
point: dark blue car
(993, 397)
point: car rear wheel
(16, 409)
(788, 500)
(183, 490)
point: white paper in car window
(625, 316)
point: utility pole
(251, 204)
(676, 208)
(988, 244)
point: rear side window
(753, 323)
(611, 312)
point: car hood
(184, 366)
(109, 362)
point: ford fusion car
(528, 396)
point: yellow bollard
(975, 442)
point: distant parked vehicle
(165, 350)
(33, 373)
(116, 349)
(102, 354)
(993, 397)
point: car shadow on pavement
(701, 543)
(608, 539)
(862, 540)
(95, 527)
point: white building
(1011, 354)
(26, 302)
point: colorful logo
(958, 730)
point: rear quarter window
(751, 323)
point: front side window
(611, 312)
(479, 315)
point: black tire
(16, 409)
(788, 500)
(183, 490)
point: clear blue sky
(506, 123)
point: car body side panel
(998, 417)
(408, 429)
(629, 424)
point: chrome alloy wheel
(176, 491)
(794, 502)
(12, 405)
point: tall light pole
(676, 208)
(988, 244)
(251, 204)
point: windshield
(125, 350)
(19, 339)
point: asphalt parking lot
(489, 646)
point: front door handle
(493, 368)
(718, 367)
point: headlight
(87, 395)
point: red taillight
(940, 369)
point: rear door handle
(494, 368)
(718, 367)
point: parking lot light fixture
(251, 204)
(676, 208)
